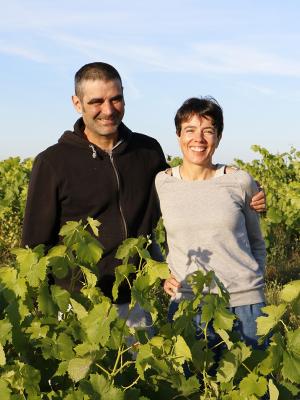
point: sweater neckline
(219, 172)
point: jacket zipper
(119, 202)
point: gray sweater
(210, 226)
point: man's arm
(41, 223)
(258, 201)
(256, 240)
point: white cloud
(29, 54)
(229, 58)
(213, 57)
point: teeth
(194, 148)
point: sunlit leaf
(61, 297)
(78, 368)
(266, 323)
(254, 385)
(2, 356)
(273, 391)
(290, 291)
(94, 225)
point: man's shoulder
(51, 151)
(143, 138)
(139, 141)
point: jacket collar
(123, 137)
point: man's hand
(258, 202)
(171, 285)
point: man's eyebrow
(95, 100)
(101, 100)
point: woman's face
(198, 140)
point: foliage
(59, 343)
(14, 178)
(174, 161)
(279, 175)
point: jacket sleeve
(162, 159)
(255, 237)
(41, 219)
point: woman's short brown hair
(202, 107)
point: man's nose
(107, 108)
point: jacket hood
(77, 138)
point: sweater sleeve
(41, 219)
(255, 237)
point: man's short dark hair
(94, 71)
(202, 107)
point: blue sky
(246, 54)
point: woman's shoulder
(238, 173)
(162, 176)
(246, 181)
(230, 169)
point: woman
(209, 222)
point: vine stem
(103, 369)
(132, 384)
(284, 325)
(245, 366)
(128, 281)
(126, 364)
(117, 361)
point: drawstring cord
(94, 155)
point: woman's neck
(193, 172)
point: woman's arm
(171, 285)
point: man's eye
(117, 99)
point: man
(101, 169)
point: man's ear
(218, 140)
(77, 103)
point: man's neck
(104, 142)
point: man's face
(102, 106)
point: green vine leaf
(88, 250)
(4, 390)
(78, 368)
(254, 385)
(273, 391)
(122, 272)
(291, 357)
(5, 331)
(274, 314)
(78, 309)
(97, 323)
(290, 292)
(105, 389)
(2, 356)
(129, 248)
(94, 225)
(61, 297)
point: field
(59, 344)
